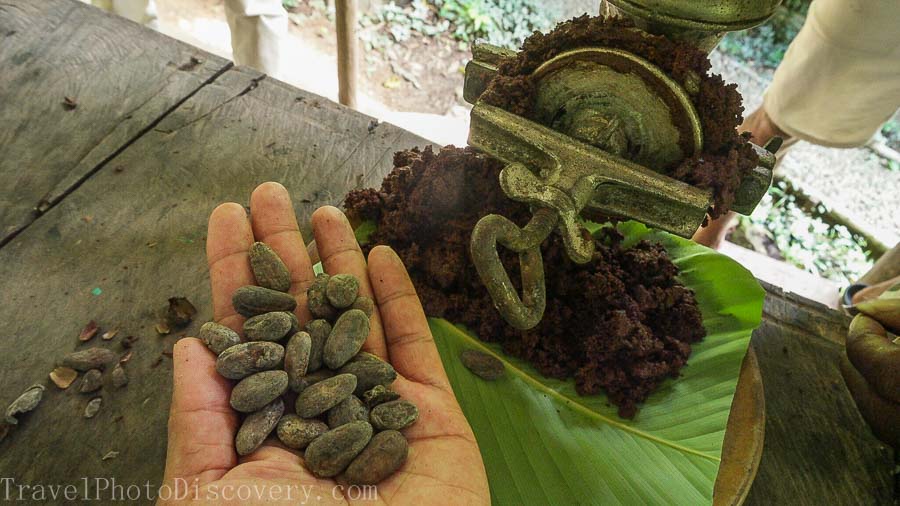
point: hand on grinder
(871, 366)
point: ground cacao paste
(621, 323)
(727, 156)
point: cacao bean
(313, 378)
(346, 338)
(369, 373)
(257, 390)
(268, 268)
(482, 365)
(317, 301)
(342, 290)
(364, 304)
(394, 415)
(297, 433)
(254, 300)
(318, 332)
(348, 410)
(268, 326)
(379, 394)
(332, 452)
(324, 395)
(218, 337)
(247, 358)
(296, 359)
(91, 358)
(295, 325)
(257, 426)
(382, 457)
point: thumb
(202, 424)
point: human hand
(871, 367)
(444, 463)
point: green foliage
(891, 129)
(765, 45)
(501, 22)
(391, 23)
(808, 242)
(544, 444)
(891, 132)
(290, 4)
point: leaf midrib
(590, 413)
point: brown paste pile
(621, 323)
(727, 156)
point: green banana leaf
(544, 444)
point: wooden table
(103, 214)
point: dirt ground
(423, 74)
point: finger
(202, 424)
(274, 223)
(409, 341)
(878, 360)
(228, 240)
(340, 253)
(883, 416)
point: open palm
(444, 465)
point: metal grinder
(604, 121)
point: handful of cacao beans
(346, 418)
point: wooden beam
(347, 51)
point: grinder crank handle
(493, 231)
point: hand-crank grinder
(603, 120)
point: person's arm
(443, 464)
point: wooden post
(347, 51)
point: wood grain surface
(136, 237)
(117, 76)
(134, 171)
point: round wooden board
(744, 436)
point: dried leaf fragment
(89, 331)
(63, 377)
(69, 103)
(110, 455)
(109, 334)
(162, 328)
